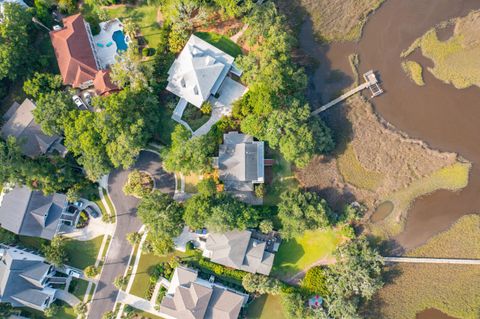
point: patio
(109, 42)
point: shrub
(139, 184)
(83, 220)
(219, 270)
(51, 311)
(91, 271)
(260, 190)
(314, 282)
(120, 282)
(266, 226)
(134, 238)
(80, 309)
(7, 237)
(206, 108)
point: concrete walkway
(134, 269)
(67, 297)
(426, 260)
(138, 303)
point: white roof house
(198, 71)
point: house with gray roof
(31, 213)
(189, 296)
(25, 279)
(20, 123)
(237, 249)
(241, 162)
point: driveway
(117, 257)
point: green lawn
(32, 242)
(66, 312)
(301, 252)
(266, 307)
(145, 16)
(221, 42)
(83, 253)
(283, 179)
(146, 264)
(78, 287)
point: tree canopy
(219, 213)
(163, 217)
(354, 278)
(274, 108)
(189, 155)
(299, 211)
(16, 56)
(115, 135)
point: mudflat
(444, 117)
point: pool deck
(104, 44)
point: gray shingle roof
(240, 162)
(194, 298)
(238, 250)
(17, 271)
(21, 124)
(31, 213)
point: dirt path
(160, 18)
(295, 279)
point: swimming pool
(119, 39)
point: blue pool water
(119, 39)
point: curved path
(116, 260)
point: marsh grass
(333, 20)
(354, 173)
(414, 71)
(456, 59)
(452, 289)
(453, 177)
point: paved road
(127, 222)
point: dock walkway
(371, 82)
(426, 260)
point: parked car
(92, 212)
(72, 272)
(87, 97)
(78, 102)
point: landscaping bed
(139, 184)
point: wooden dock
(425, 260)
(371, 82)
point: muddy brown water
(446, 118)
(433, 314)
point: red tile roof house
(77, 58)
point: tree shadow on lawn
(286, 258)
